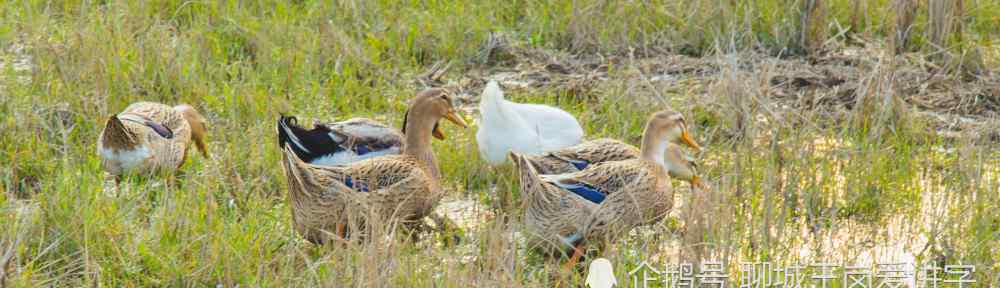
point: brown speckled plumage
(594, 151)
(398, 185)
(637, 192)
(606, 150)
(127, 132)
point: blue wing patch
(579, 164)
(585, 190)
(358, 186)
(362, 150)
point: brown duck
(404, 187)
(148, 137)
(605, 199)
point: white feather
(335, 137)
(347, 157)
(294, 138)
(530, 129)
(125, 160)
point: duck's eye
(446, 99)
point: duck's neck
(653, 146)
(417, 143)
(492, 97)
(118, 137)
(495, 114)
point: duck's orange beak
(687, 140)
(696, 182)
(453, 117)
(437, 132)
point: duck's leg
(118, 184)
(111, 190)
(341, 231)
(575, 258)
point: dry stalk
(906, 11)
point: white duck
(529, 129)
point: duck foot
(575, 258)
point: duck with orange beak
(404, 187)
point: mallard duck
(578, 157)
(404, 187)
(604, 199)
(148, 137)
(339, 143)
(529, 129)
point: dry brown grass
(905, 14)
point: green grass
(774, 172)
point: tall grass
(777, 172)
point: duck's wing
(157, 127)
(397, 185)
(602, 181)
(579, 157)
(158, 114)
(597, 182)
(581, 188)
(638, 192)
(553, 213)
(366, 135)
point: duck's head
(430, 106)
(670, 126)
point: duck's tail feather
(309, 176)
(290, 162)
(116, 136)
(301, 175)
(199, 129)
(288, 135)
(531, 183)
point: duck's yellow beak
(687, 140)
(454, 118)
